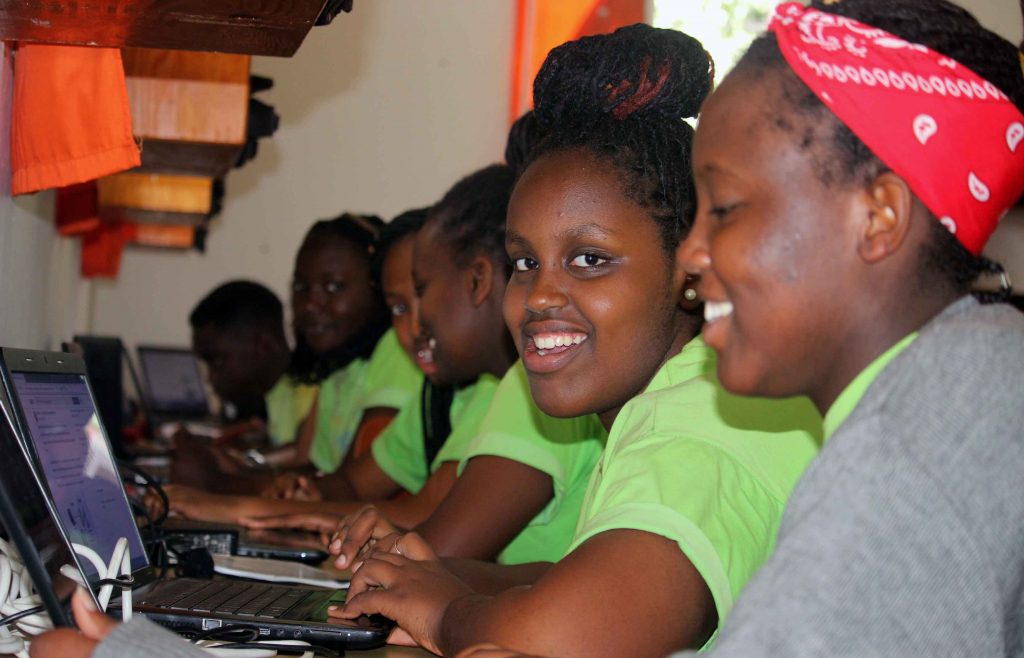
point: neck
(277, 363)
(688, 328)
(502, 355)
(872, 336)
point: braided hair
(841, 158)
(522, 137)
(393, 232)
(624, 97)
(363, 231)
(472, 215)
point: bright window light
(725, 27)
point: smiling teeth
(551, 341)
(716, 310)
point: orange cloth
(70, 119)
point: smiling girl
(683, 505)
(849, 172)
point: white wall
(35, 266)
(381, 111)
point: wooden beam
(268, 27)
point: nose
(545, 292)
(415, 323)
(309, 299)
(693, 252)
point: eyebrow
(588, 230)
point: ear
(890, 205)
(481, 279)
(685, 284)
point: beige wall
(380, 111)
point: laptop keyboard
(226, 597)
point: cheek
(514, 311)
(402, 325)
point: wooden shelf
(263, 27)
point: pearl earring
(690, 294)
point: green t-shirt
(399, 450)
(564, 448)
(855, 390)
(387, 379)
(709, 470)
(288, 403)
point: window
(725, 27)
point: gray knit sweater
(905, 537)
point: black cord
(150, 482)
(7, 621)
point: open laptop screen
(68, 441)
(174, 383)
(25, 520)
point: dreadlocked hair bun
(637, 71)
(623, 97)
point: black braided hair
(237, 306)
(391, 233)
(363, 231)
(472, 215)
(522, 137)
(841, 158)
(623, 97)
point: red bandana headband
(955, 138)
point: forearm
(336, 487)
(491, 578)
(468, 621)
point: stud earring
(690, 294)
(889, 213)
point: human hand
(69, 643)
(292, 486)
(185, 501)
(357, 535)
(406, 583)
(324, 523)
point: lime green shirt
(288, 403)
(399, 450)
(388, 379)
(855, 390)
(711, 471)
(564, 448)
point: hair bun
(636, 71)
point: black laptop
(63, 434)
(25, 521)
(173, 384)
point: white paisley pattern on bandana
(953, 136)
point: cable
(21, 614)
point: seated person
(238, 332)
(459, 338)
(343, 344)
(683, 506)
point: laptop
(173, 384)
(65, 439)
(25, 521)
(233, 539)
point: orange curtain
(543, 24)
(70, 120)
